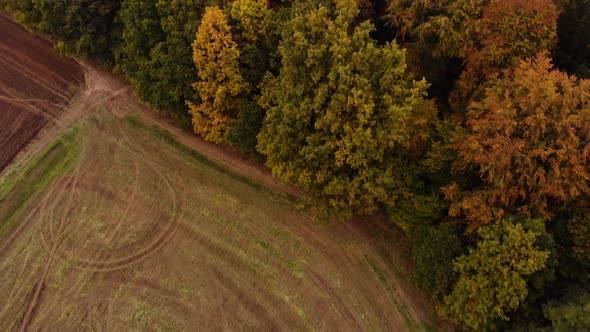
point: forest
(466, 121)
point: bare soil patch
(35, 83)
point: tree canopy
(342, 116)
(486, 35)
(85, 28)
(508, 31)
(493, 276)
(216, 57)
(155, 53)
(528, 139)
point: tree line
(467, 121)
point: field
(35, 84)
(112, 219)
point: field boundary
(168, 138)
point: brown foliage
(508, 31)
(529, 138)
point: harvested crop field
(117, 221)
(35, 84)
(118, 226)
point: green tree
(216, 57)
(579, 231)
(84, 27)
(493, 276)
(343, 120)
(435, 248)
(156, 54)
(252, 23)
(430, 53)
(141, 32)
(571, 316)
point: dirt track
(35, 83)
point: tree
(579, 231)
(140, 33)
(252, 29)
(487, 35)
(84, 27)
(430, 53)
(253, 17)
(528, 139)
(155, 53)
(493, 276)
(343, 120)
(216, 58)
(408, 17)
(435, 247)
(570, 316)
(508, 32)
(573, 29)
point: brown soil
(35, 83)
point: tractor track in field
(71, 182)
(108, 264)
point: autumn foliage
(507, 32)
(528, 139)
(342, 114)
(216, 57)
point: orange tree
(529, 140)
(508, 31)
(486, 35)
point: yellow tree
(220, 84)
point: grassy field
(118, 226)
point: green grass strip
(55, 161)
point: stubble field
(114, 220)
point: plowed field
(35, 84)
